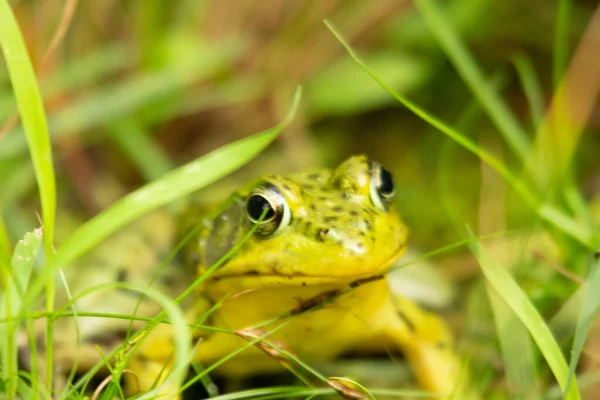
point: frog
(312, 246)
(324, 234)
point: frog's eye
(382, 186)
(269, 200)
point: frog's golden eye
(382, 186)
(269, 200)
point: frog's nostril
(321, 233)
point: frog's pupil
(386, 186)
(256, 205)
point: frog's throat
(298, 279)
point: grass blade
(561, 40)
(16, 286)
(570, 111)
(563, 323)
(33, 116)
(464, 63)
(517, 351)
(589, 308)
(174, 185)
(531, 87)
(505, 286)
(464, 141)
(4, 252)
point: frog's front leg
(426, 342)
(150, 363)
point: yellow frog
(324, 235)
(321, 246)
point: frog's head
(317, 227)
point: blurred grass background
(134, 89)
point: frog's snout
(344, 240)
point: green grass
(588, 311)
(95, 66)
(516, 349)
(4, 249)
(531, 87)
(545, 211)
(509, 291)
(113, 102)
(16, 285)
(561, 41)
(127, 97)
(33, 117)
(469, 71)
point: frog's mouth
(254, 278)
